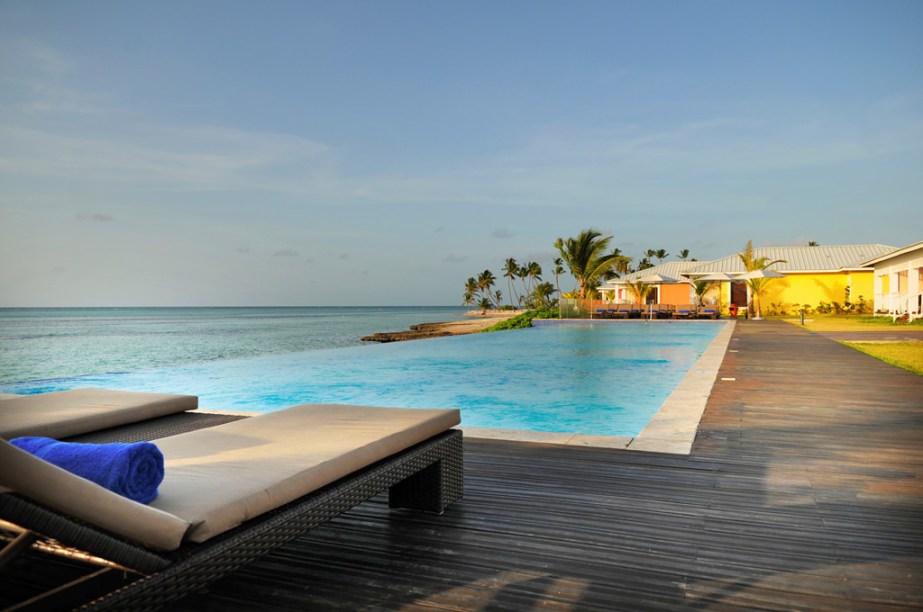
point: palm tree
(523, 274)
(542, 295)
(510, 271)
(623, 264)
(486, 280)
(644, 264)
(485, 283)
(558, 271)
(813, 243)
(527, 274)
(535, 273)
(751, 263)
(471, 290)
(661, 254)
(587, 259)
(639, 290)
(684, 254)
(700, 288)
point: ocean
(50, 343)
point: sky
(346, 152)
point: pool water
(598, 379)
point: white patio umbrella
(656, 279)
(718, 277)
(767, 273)
(752, 274)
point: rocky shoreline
(476, 322)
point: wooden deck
(803, 491)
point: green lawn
(907, 355)
(834, 323)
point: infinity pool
(595, 378)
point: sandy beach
(474, 323)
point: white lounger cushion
(217, 478)
(61, 414)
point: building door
(739, 293)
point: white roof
(802, 258)
(896, 253)
(672, 269)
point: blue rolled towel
(131, 470)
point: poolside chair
(653, 311)
(234, 492)
(623, 311)
(61, 414)
(684, 311)
(707, 312)
(665, 311)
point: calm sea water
(43, 343)
(605, 379)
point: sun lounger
(665, 311)
(684, 311)
(62, 414)
(623, 311)
(610, 313)
(234, 492)
(707, 313)
(655, 311)
(613, 312)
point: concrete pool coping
(671, 430)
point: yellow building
(817, 277)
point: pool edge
(673, 428)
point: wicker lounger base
(426, 477)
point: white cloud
(194, 158)
(39, 80)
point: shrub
(776, 309)
(524, 320)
